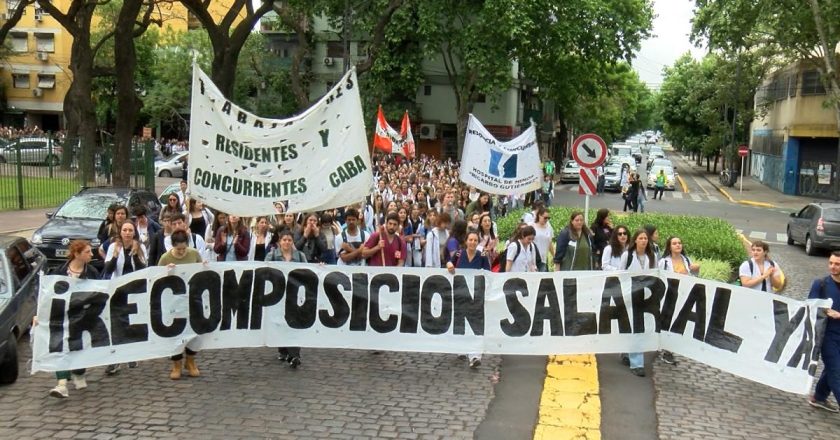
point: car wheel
(52, 160)
(9, 362)
(790, 237)
(810, 249)
(165, 173)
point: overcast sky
(671, 28)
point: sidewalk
(754, 193)
(13, 222)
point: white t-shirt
(351, 238)
(543, 238)
(610, 261)
(526, 261)
(639, 262)
(764, 286)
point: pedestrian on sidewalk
(626, 195)
(639, 256)
(641, 198)
(660, 185)
(602, 180)
(829, 288)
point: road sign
(588, 181)
(589, 150)
(743, 151)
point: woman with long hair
(675, 260)
(196, 217)
(329, 229)
(545, 233)
(113, 228)
(260, 239)
(611, 256)
(285, 251)
(469, 258)
(102, 234)
(310, 241)
(639, 256)
(487, 241)
(79, 256)
(378, 210)
(219, 220)
(232, 241)
(602, 229)
(574, 246)
(173, 205)
(456, 239)
(653, 237)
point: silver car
(670, 176)
(38, 150)
(172, 167)
(570, 172)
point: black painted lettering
(577, 323)
(263, 297)
(210, 282)
(521, 321)
(410, 309)
(432, 286)
(693, 310)
(176, 286)
(468, 308)
(340, 308)
(122, 331)
(716, 335)
(613, 308)
(236, 298)
(551, 312)
(85, 315)
(376, 283)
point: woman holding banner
(545, 233)
(639, 256)
(574, 246)
(286, 252)
(675, 260)
(79, 255)
(260, 239)
(232, 240)
(611, 256)
(469, 258)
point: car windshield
(91, 206)
(655, 170)
(831, 214)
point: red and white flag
(387, 140)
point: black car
(81, 215)
(817, 226)
(19, 267)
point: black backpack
(752, 269)
(503, 256)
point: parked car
(620, 150)
(622, 161)
(80, 217)
(636, 152)
(612, 178)
(172, 188)
(38, 150)
(570, 172)
(172, 167)
(19, 267)
(670, 176)
(817, 226)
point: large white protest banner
(156, 312)
(496, 167)
(244, 164)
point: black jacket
(90, 272)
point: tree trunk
(80, 106)
(463, 111)
(128, 105)
(223, 70)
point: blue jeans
(830, 379)
(637, 360)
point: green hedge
(704, 237)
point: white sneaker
(475, 362)
(79, 381)
(59, 391)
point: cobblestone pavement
(695, 401)
(248, 394)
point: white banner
(156, 312)
(243, 164)
(497, 167)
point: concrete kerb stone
(682, 184)
(743, 202)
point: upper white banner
(497, 167)
(156, 312)
(243, 164)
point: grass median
(38, 192)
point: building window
(40, 10)
(335, 49)
(20, 42)
(46, 81)
(21, 80)
(812, 83)
(45, 42)
(427, 90)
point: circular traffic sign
(589, 150)
(743, 151)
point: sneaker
(822, 404)
(79, 381)
(625, 359)
(59, 391)
(283, 357)
(667, 357)
(294, 361)
(475, 362)
(462, 357)
(112, 369)
(638, 371)
(132, 365)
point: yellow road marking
(570, 406)
(682, 184)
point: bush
(715, 270)
(705, 238)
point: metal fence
(43, 171)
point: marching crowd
(418, 215)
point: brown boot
(192, 369)
(175, 374)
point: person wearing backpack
(675, 260)
(286, 252)
(639, 256)
(829, 288)
(521, 254)
(469, 257)
(436, 240)
(349, 242)
(575, 249)
(759, 272)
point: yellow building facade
(36, 74)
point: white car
(570, 172)
(172, 167)
(670, 176)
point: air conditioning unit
(37, 92)
(42, 56)
(39, 16)
(428, 131)
(328, 61)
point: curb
(682, 184)
(15, 231)
(747, 243)
(743, 202)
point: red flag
(382, 139)
(407, 137)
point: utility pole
(346, 37)
(736, 98)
